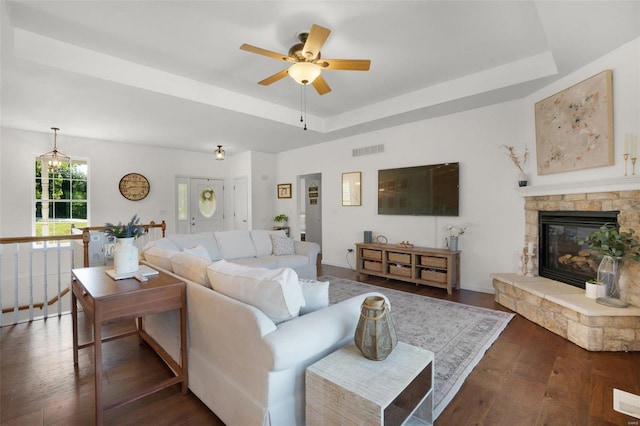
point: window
(60, 198)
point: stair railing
(32, 267)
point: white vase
(125, 256)
(453, 243)
(522, 179)
(593, 291)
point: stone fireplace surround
(564, 309)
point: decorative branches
(515, 158)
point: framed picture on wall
(284, 190)
(574, 128)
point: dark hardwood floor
(529, 376)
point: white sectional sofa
(252, 332)
(251, 248)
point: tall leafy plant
(608, 241)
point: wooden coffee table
(105, 300)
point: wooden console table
(345, 388)
(419, 265)
(104, 300)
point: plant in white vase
(281, 219)
(454, 233)
(125, 254)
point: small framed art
(284, 190)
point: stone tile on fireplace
(566, 311)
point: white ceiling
(170, 73)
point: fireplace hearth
(562, 258)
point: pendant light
(219, 153)
(55, 159)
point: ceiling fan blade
(321, 85)
(277, 76)
(317, 36)
(345, 64)
(264, 52)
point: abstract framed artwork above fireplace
(561, 257)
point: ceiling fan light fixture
(304, 72)
(219, 153)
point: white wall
(108, 162)
(489, 199)
(625, 64)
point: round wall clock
(134, 186)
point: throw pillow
(282, 245)
(275, 292)
(235, 244)
(199, 251)
(191, 267)
(316, 295)
(159, 256)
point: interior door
(206, 205)
(240, 204)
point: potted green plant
(608, 241)
(281, 219)
(594, 289)
(613, 247)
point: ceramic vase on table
(375, 334)
(125, 256)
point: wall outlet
(349, 250)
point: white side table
(345, 388)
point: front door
(206, 205)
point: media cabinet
(419, 265)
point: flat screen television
(431, 190)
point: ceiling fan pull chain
(301, 89)
(305, 107)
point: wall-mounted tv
(431, 190)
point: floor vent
(366, 150)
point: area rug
(458, 335)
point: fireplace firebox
(561, 258)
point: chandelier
(54, 159)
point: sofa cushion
(160, 256)
(199, 250)
(276, 292)
(257, 262)
(164, 243)
(191, 267)
(316, 295)
(205, 239)
(282, 245)
(291, 261)
(262, 241)
(235, 244)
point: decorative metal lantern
(375, 334)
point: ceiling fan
(307, 62)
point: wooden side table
(105, 299)
(345, 388)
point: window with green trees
(60, 198)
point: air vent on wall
(366, 150)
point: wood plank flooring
(529, 376)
